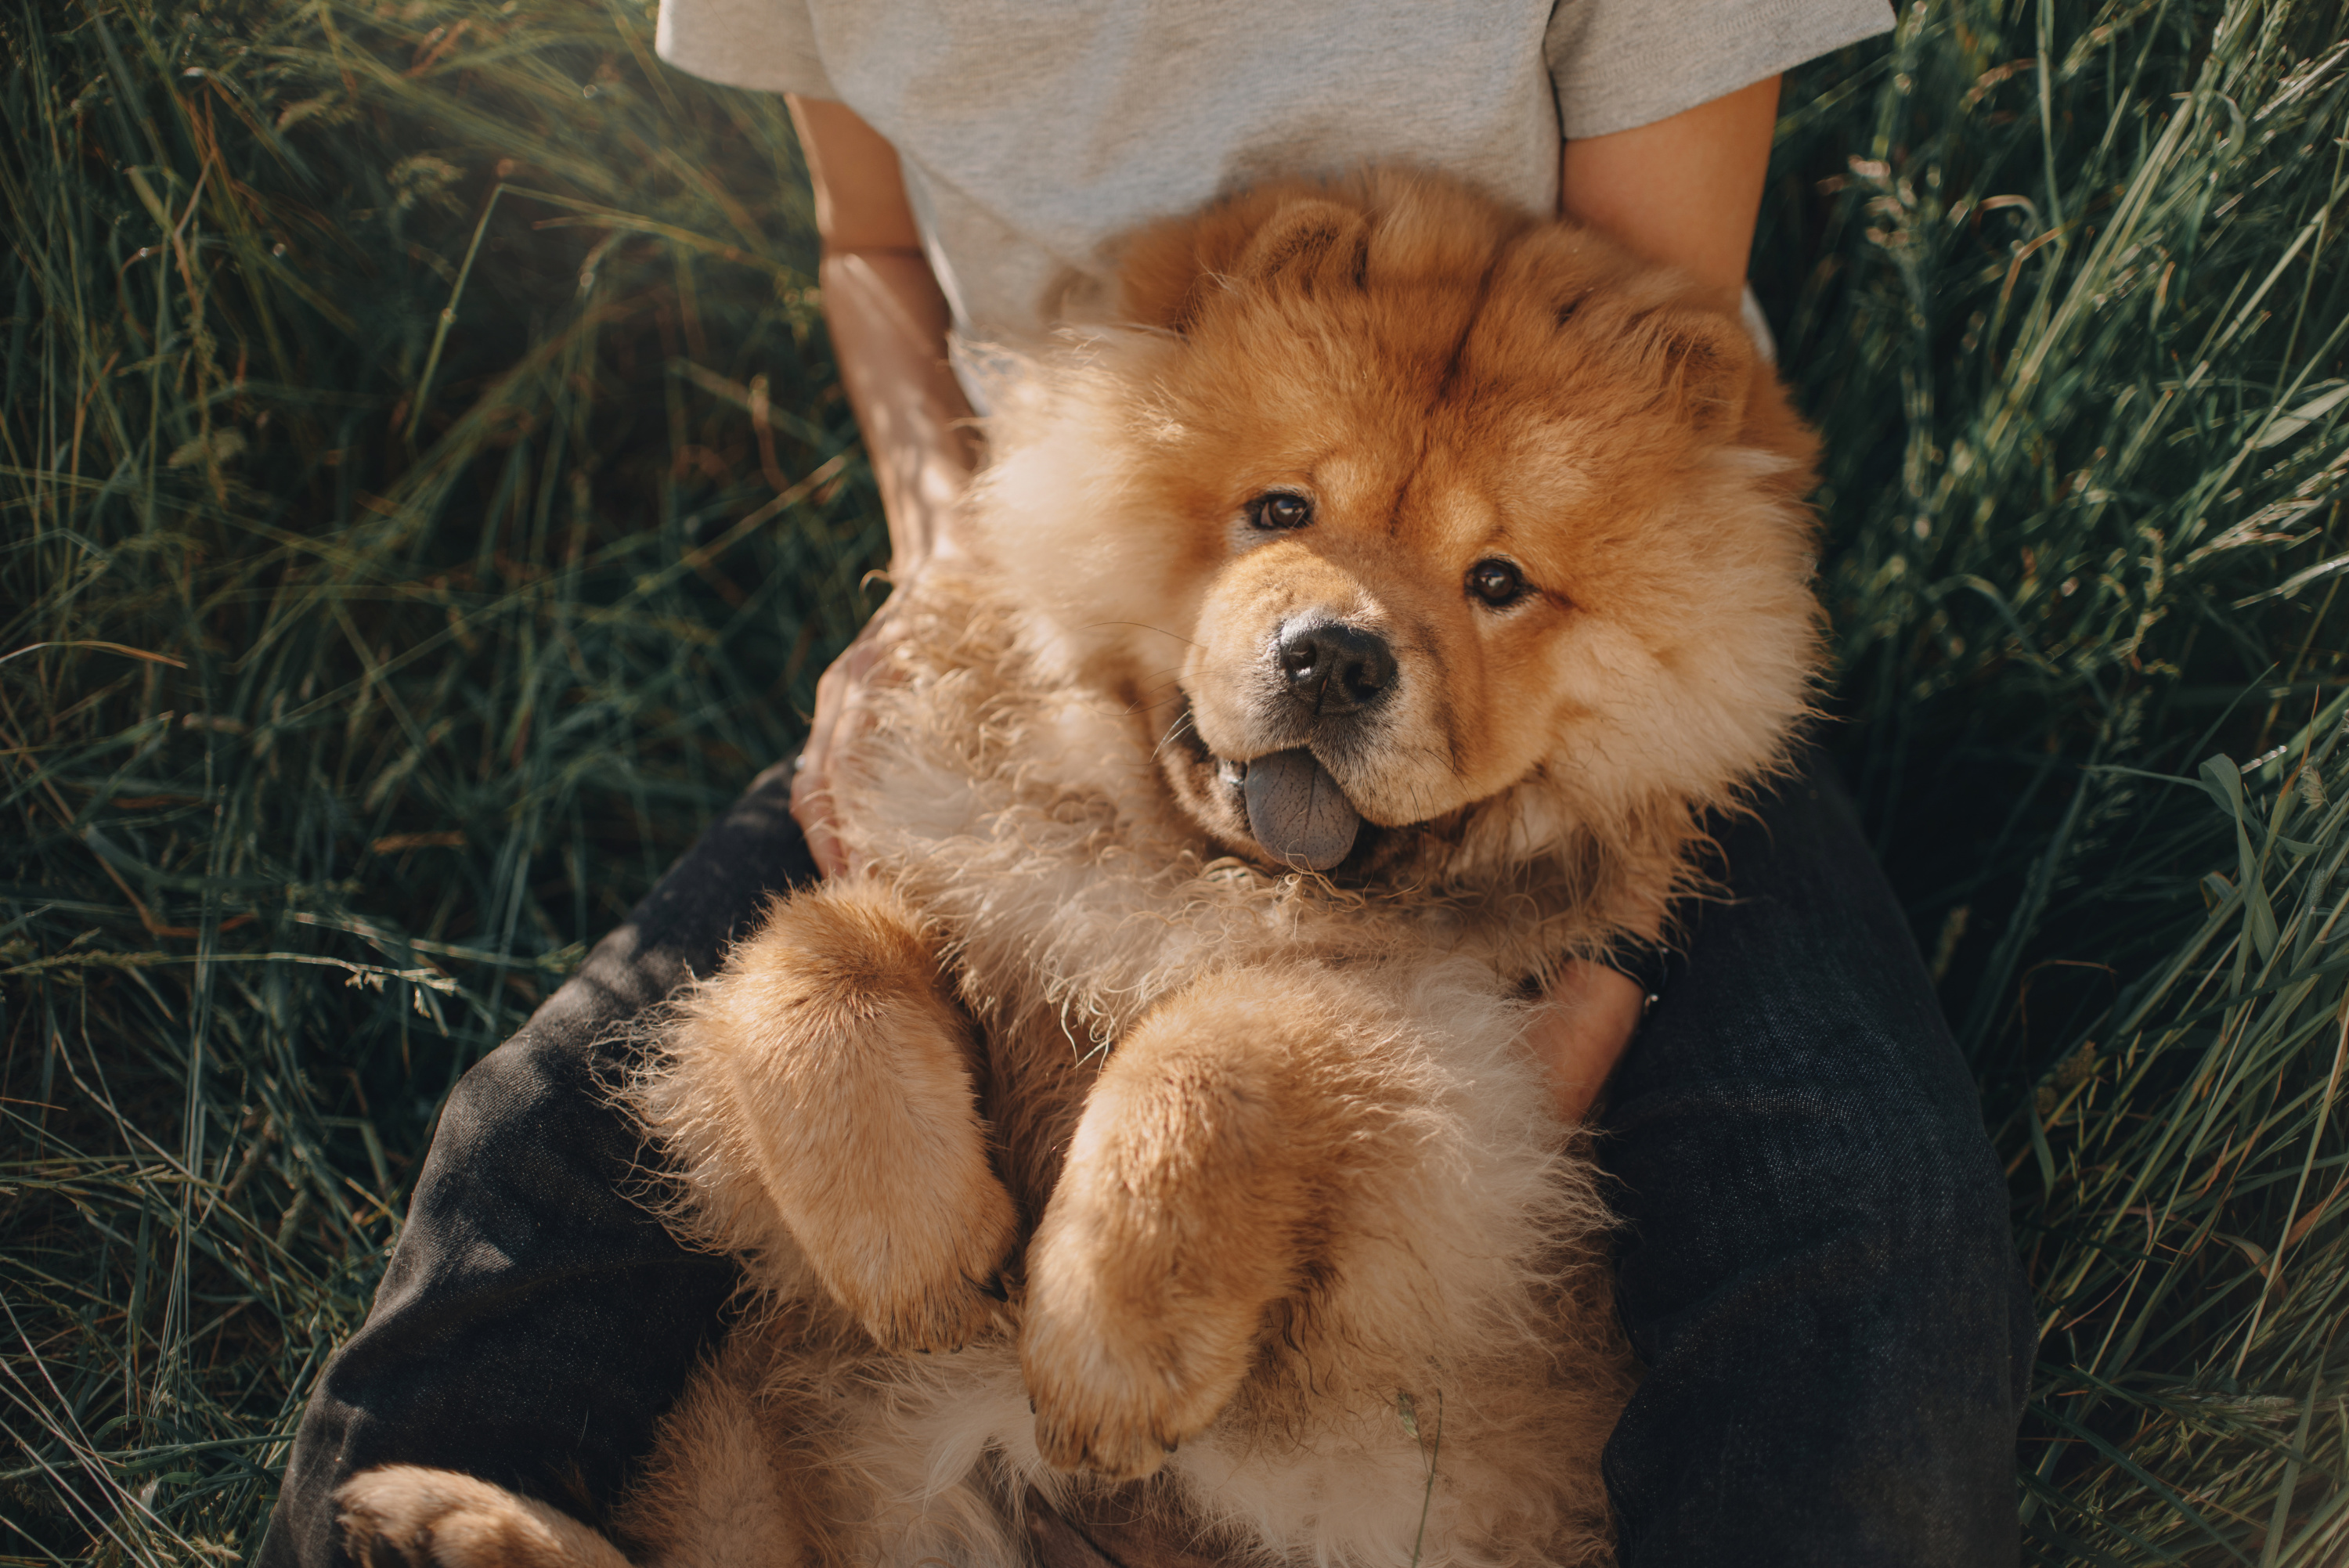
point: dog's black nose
(1332, 667)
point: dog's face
(1401, 504)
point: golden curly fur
(1226, 1194)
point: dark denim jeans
(1817, 1265)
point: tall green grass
(428, 498)
(427, 501)
(2063, 287)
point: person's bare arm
(888, 324)
(1683, 191)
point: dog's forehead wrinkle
(1454, 353)
(1412, 471)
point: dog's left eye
(1498, 583)
(1279, 511)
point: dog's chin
(1213, 791)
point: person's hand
(1580, 1031)
(840, 712)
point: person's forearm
(1683, 190)
(888, 327)
(889, 323)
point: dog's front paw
(935, 1291)
(1200, 1194)
(1166, 1238)
(820, 1099)
(1121, 1369)
(404, 1516)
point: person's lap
(1816, 1264)
(1818, 1270)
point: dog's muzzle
(1328, 679)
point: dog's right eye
(1279, 511)
(1498, 583)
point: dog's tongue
(1297, 810)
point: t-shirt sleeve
(1621, 63)
(769, 44)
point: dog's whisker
(1142, 625)
(1174, 732)
(1171, 686)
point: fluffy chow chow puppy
(1368, 612)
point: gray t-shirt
(1031, 131)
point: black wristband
(1649, 968)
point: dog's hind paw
(1143, 1294)
(404, 1516)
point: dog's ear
(1307, 246)
(1702, 364)
(1287, 235)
